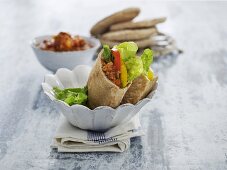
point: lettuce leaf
(147, 59)
(107, 56)
(71, 96)
(134, 68)
(127, 50)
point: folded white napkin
(69, 138)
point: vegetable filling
(111, 72)
(121, 65)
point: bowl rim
(92, 40)
(99, 107)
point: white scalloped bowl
(100, 118)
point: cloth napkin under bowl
(69, 138)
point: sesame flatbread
(121, 16)
(136, 25)
(129, 35)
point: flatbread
(101, 91)
(139, 89)
(121, 16)
(129, 35)
(140, 43)
(136, 25)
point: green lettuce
(71, 96)
(134, 68)
(107, 56)
(147, 59)
(127, 50)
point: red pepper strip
(117, 59)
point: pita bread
(101, 91)
(139, 89)
(136, 25)
(121, 16)
(140, 43)
(129, 35)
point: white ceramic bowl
(99, 119)
(54, 60)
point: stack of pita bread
(120, 27)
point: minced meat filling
(111, 72)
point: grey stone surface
(185, 124)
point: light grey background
(185, 124)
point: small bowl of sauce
(64, 50)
